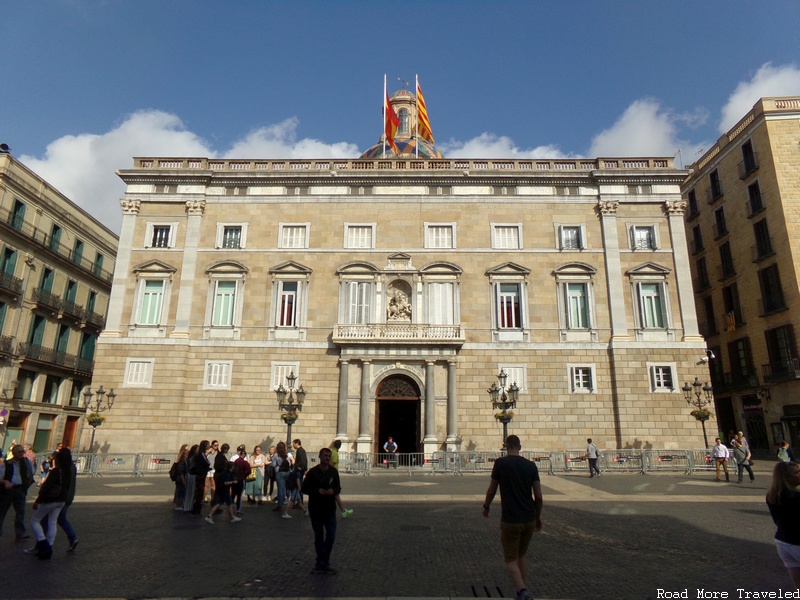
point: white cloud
(488, 145)
(644, 129)
(768, 81)
(82, 167)
(280, 141)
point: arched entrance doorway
(398, 413)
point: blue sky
(87, 85)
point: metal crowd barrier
(455, 463)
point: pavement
(619, 536)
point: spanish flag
(423, 124)
(391, 122)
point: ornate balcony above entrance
(399, 333)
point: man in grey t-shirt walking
(521, 514)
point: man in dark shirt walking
(521, 512)
(322, 485)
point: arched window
(404, 128)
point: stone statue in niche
(399, 308)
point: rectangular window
(506, 237)
(36, 334)
(9, 261)
(711, 320)
(763, 241)
(439, 236)
(577, 298)
(358, 302)
(571, 237)
(151, 302)
(771, 290)
(46, 283)
(88, 344)
(661, 378)
(726, 261)
(733, 310)
(516, 374)
(224, 304)
(77, 252)
(72, 291)
(287, 304)
(55, 238)
(218, 375)
(581, 379)
(781, 350)
(697, 238)
(441, 306)
(51, 386)
(692, 199)
(749, 162)
(716, 185)
(97, 268)
(509, 314)
(62, 338)
(17, 216)
(294, 236)
(139, 372)
(643, 237)
(232, 236)
(741, 360)
(44, 431)
(91, 301)
(161, 236)
(280, 371)
(720, 223)
(703, 282)
(359, 236)
(755, 202)
(651, 305)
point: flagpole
(384, 115)
(416, 124)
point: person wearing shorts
(521, 510)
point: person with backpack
(785, 453)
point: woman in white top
(254, 488)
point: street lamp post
(504, 399)
(699, 396)
(290, 400)
(95, 407)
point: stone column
(119, 290)
(453, 441)
(194, 212)
(683, 273)
(364, 441)
(429, 442)
(341, 420)
(614, 283)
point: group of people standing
(55, 496)
(207, 473)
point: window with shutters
(359, 235)
(151, 299)
(217, 375)
(643, 237)
(231, 236)
(662, 377)
(507, 236)
(289, 301)
(570, 237)
(440, 235)
(581, 379)
(281, 370)
(139, 372)
(294, 235)
(651, 298)
(160, 235)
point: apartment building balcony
(19, 227)
(71, 311)
(94, 320)
(54, 359)
(46, 300)
(10, 286)
(713, 194)
(748, 166)
(771, 304)
(6, 346)
(732, 382)
(762, 250)
(782, 370)
(398, 334)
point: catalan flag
(391, 122)
(423, 124)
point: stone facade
(743, 225)
(396, 290)
(56, 266)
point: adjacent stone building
(56, 265)
(743, 226)
(395, 287)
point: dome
(406, 149)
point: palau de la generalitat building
(396, 287)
